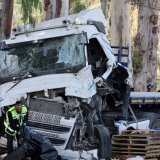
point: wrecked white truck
(65, 71)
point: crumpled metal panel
(86, 87)
(81, 85)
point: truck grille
(44, 118)
(49, 127)
(57, 142)
(55, 127)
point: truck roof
(71, 24)
(80, 18)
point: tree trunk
(147, 42)
(120, 28)
(104, 6)
(5, 28)
(6, 18)
(55, 8)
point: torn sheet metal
(80, 85)
(87, 88)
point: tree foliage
(28, 7)
(135, 2)
(137, 62)
(76, 6)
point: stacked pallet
(145, 143)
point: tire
(18, 154)
(104, 146)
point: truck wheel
(18, 154)
(103, 138)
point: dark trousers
(10, 142)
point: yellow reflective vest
(14, 120)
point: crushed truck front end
(65, 72)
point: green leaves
(137, 61)
(28, 7)
(135, 2)
(76, 6)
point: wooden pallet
(145, 143)
(122, 157)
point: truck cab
(65, 72)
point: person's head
(18, 106)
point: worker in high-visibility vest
(15, 117)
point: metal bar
(133, 116)
(118, 47)
(120, 54)
(123, 55)
(119, 57)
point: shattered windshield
(57, 54)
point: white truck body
(58, 102)
(80, 85)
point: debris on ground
(136, 158)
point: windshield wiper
(27, 75)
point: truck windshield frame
(55, 55)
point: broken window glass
(47, 55)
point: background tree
(28, 7)
(55, 8)
(5, 26)
(6, 18)
(76, 6)
(6, 14)
(146, 42)
(104, 6)
(120, 26)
